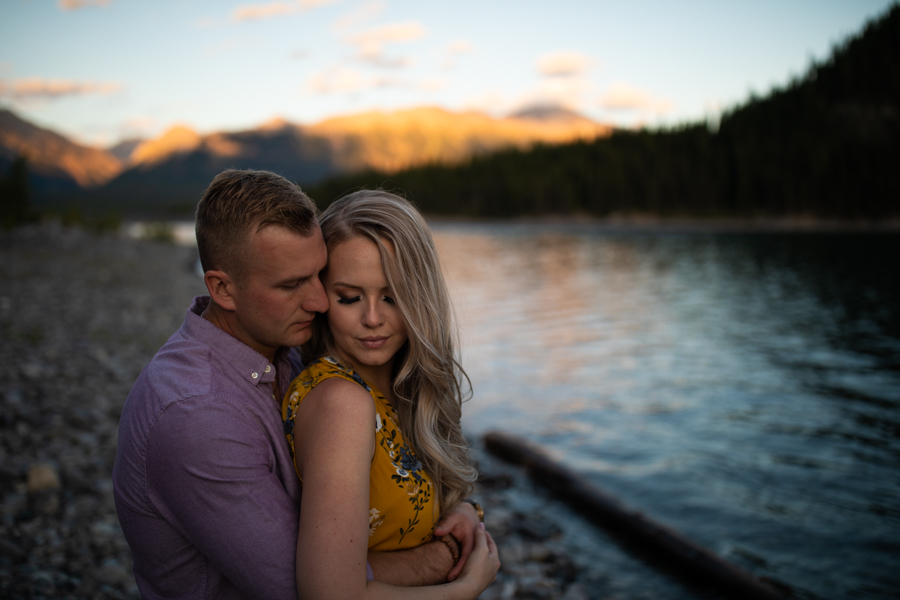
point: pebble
(111, 572)
(67, 362)
(42, 477)
(75, 331)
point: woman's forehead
(356, 263)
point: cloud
(365, 12)
(572, 93)
(433, 84)
(254, 12)
(563, 63)
(374, 39)
(565, 92)
(397, 62)
(141, 126)
(370, 44)
(35, 88)
(452, 50)
(299, 54)
(460, 47)
(623, 96)
(349, 80)
(491, 102)
(79, 4)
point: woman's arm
(334, 443)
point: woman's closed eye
(353, 299)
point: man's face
(280, 291)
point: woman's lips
(373, 342)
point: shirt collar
(250, 364)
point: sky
(100, 71)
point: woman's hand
(484, 561)
(462, 523)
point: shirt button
(268, 368)
(254, 374)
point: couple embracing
(231, 427)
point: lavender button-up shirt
(204, 484)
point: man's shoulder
(180, 399)
(182, 368)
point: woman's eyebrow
(353, 286)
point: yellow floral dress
(402, 508)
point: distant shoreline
(655, 224)
(183, 228)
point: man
(205, 488)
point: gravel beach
(80, 316)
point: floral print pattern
(399, 485)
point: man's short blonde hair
(239, 203)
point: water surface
(743, 389)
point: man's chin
(299, 339)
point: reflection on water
(742, 389)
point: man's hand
(461, 523)
(427, 564)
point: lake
(743, 389)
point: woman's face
(367, 326)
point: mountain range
(175, 167)
(56, 164)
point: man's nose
(316, 300)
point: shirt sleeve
(211, 473)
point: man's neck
(224, 320)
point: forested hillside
(826, 145)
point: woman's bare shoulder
(337, 394)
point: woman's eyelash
(342, 300)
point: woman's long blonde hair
(428, 379)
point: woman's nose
(373, 316)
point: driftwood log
(633, 528)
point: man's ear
(221, 288)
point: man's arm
(427, 564)
(430, 563)
(461, 523)
(209, 475)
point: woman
(385, 356)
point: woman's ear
(221, 288)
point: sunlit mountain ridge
(390, 141)
(177, 165)
(55, 162)
(402, 139)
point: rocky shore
(80, 316)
